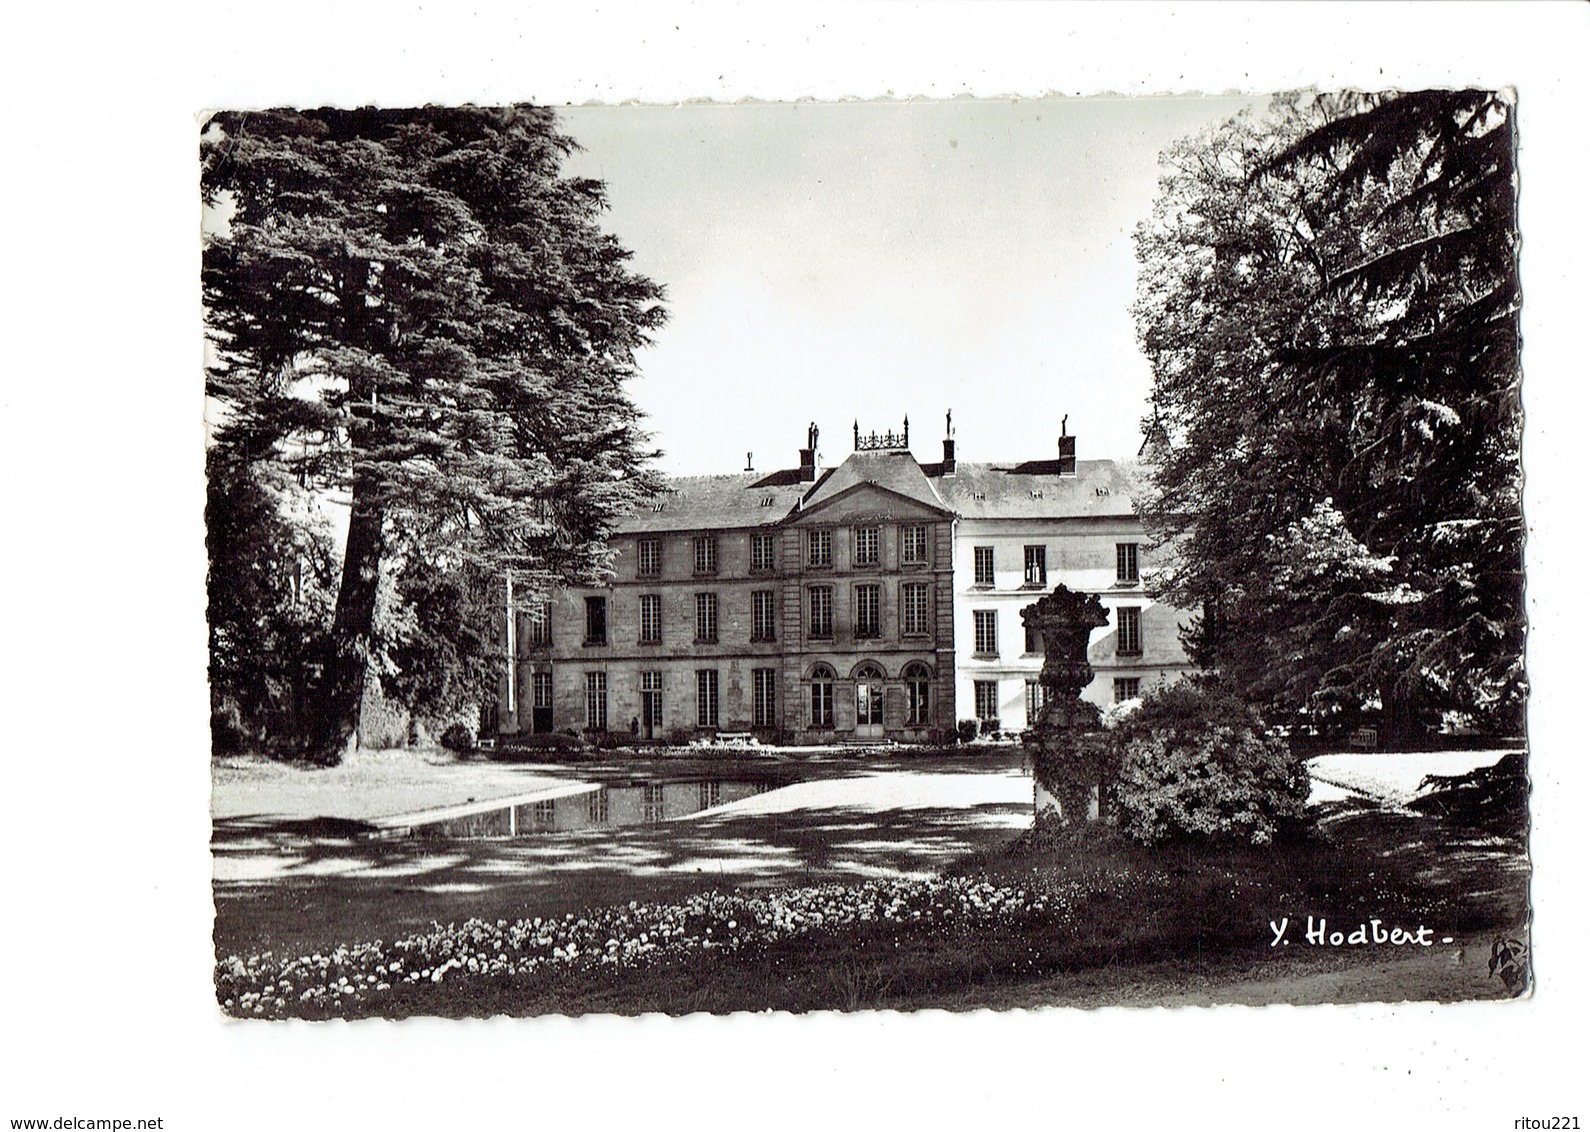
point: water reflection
(601, 807)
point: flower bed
(627, 937)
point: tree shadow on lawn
(1476, 875)
(296, 889)
(1179, 924)
(1174, 924)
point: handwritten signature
(1317, 933)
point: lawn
(312, 884)
(367, 784)
(1005, 921)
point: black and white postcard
(887, 569)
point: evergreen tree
(1329, 298)
(418, 308)
(272, 575)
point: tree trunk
(334, 711)
(1401, 723)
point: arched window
(822, 699)
(869, 698)
(918, 681)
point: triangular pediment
(867, 501)
(885, 484)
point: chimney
(809, 455)
(1068, 450)
(949, 445)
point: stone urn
(1065, 744)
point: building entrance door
(541, 703)
(651, 705)
(869, 703)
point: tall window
(819, 548)
(649, 558)
(706, 697)
(869, 621)
(917, 682)
(538, 624)
(869, 695)
(913, 543)
(1032, 640)
(762, 615)
(706, 619)
(596, 701)
(650, 619)
(914, 609)
(653, 803)
(822, 696)
(1034, 701)
(596, 621)
(1126, 562)
(651, 700)
(820, 599)
(707, 554)
(982, 565)
(540, 690)
(1128, 630)
(985, 693)
(596, 806)
(761, 553)
(1034, 568)
(764, 694)
(1126, 688)
(866, 546)
(985, 632)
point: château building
(1023, 527)
(876, 600)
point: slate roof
(895, 471)
(706, 503)
(1035, 489)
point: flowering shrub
(1195, 760)
(626, 937)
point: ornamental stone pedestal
(1065, 743)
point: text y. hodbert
(1368, 933)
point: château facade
(876, 600)
(1023, 527)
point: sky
(864, 261)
